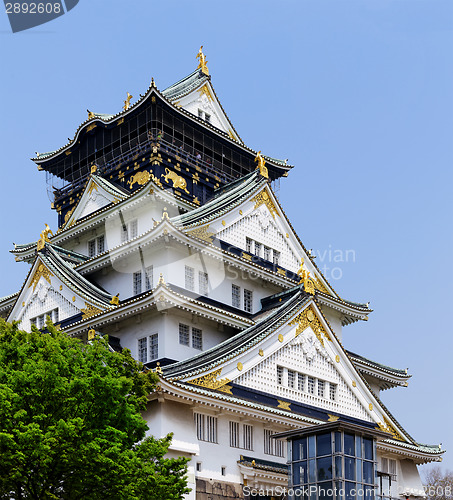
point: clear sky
(357, 94)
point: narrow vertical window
(211, 428)
(197, 339)
(332, 392)
(101, 244)
(291, 378)
(137, 282)
(257, 249)
(301, 382)
(207, 117)
(279, 375)
(133, 229)
(248, 300)
(183, 334)
(276, 258)
(311, 385)
(247, 433)
(267, 253)
(200, 425)
(190, 278)
(124, 233)
(91, 248)
(268, 442)
(149, 278)
(203, 282)
(153, 347)
(236, 296)
(234, 434)
(143, 350)
(248, 245)
(200, 114)
(321, 388)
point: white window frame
(206, 427)
(148, 348)
(197, 338)
(129, 230)
(236, 296)
(203, 283)
(184, 334)
(189, 278)
(248, 300)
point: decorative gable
(98, 194)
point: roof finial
(94, 168)
(44, 237)
(115, 300)
(127, 102)
(161, 280)
(152, 82)
(202, 64)
(91, 333)
(158, 369)
(90, 114)
(262, 165)
(165, 214)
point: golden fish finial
(202, 64)
(127, 102)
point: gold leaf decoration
(211, 381)
(332, 418)
(205, 90)
(141, 178)
(89, 311)
(308, 318)
(284, 405)
(202, 233)
(43, 272)
(264, 199)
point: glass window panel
(349, 468)
(369, 493)
(300, 449)
(338, 466)
(360, 492)
(368, 472)
(300, 473)
(358, 446)
(324, 444)
(312, 471)
(325, 491)
(311, 446)
(358, 470)
(368, 448)
(339, 486)
(349, 444)
(385, 486)
(338, 442)
(324, 468)
(349, 489)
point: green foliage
(70, 422)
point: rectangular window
(129, 230)
(311, 385)
(274, 447)
(143, 350)
(153, 347)
(257, 249)
(267, 253)
(332, 391)
(200, 425)
(207, 117)
(197, 339)
(137, 283)
(321, 388)
(301, 382)
(54, 316)
(248, 245)
(248, 300)
(101, 244)
(234, 434)
(200, 114)
(190, 278)
(236, 296)
(247, 433)
(40, 321)
(184, 334)
(211, 429)
(291, 378)
(91, 248)
(279, 375)
(392, 467)
(203, 282)
(149, 278)
(276, 257)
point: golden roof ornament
(127, 102)
(94, 168)
(91, 334)
(153, 84)
(158, 369)
(309, 284)
(161, 280)
(44, 238)
(262, 165)
(165, 214)
(202, 64)
(90, 114)
(115, 300)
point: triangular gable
(98, 193)
(260, 218)
(46, 290)
(196, 95)
(306, 345)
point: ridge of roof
(396, 371)
(185, 85)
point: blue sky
(357, 94)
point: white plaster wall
(334, 319)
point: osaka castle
(170, 240)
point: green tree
(70, 422)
